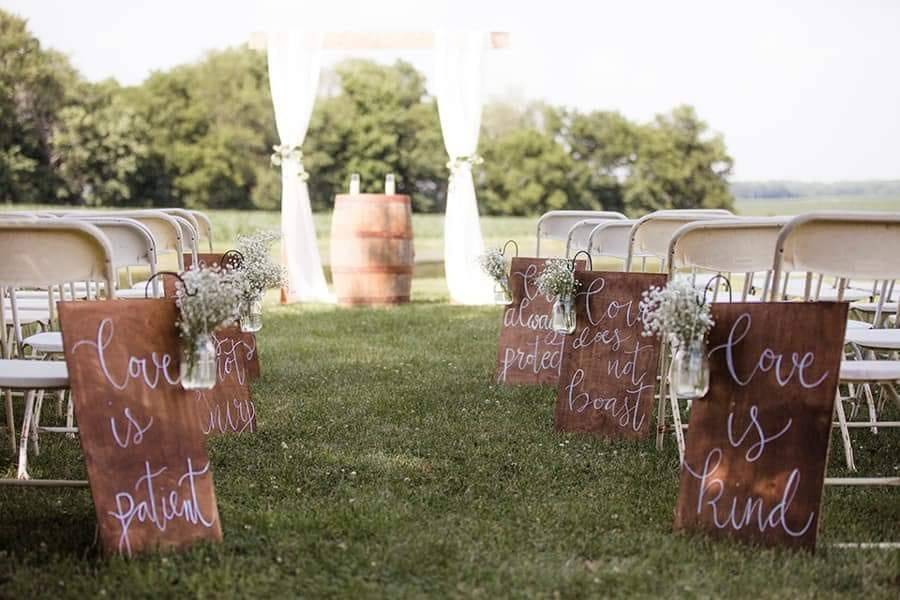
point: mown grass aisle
(388, 464)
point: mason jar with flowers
(207, 299)
(258, 272)
(680, 314)
(493, 263)
(557, 281)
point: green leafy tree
(33, 88)
(678, 165)
(378, 120)
(99, 147)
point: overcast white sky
(801, 89)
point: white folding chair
(578, 237)
(611, 239)
(39, 254)
(719, 247)
(844, 246)
(650, 235)
(555, 224)
(132, 245)
(205, 227)
(166, 230)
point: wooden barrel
(372, 252)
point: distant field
(795, 206)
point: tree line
(200, 136)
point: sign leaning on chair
(146, 459)
(757, 444)
(529, 352)
(609, 368)
(229, 406)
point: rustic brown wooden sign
(229, 407)
(757, 443)
(609, 368)
(530, 352)
(147, 466)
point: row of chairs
(80, 255)
(838, 256)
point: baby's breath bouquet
(493, 263)
(207, 299)
(680, 313)
(258, 273)
(558, 280)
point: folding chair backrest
(651, 234)
(843, 245)
(166, 230)
(191, 217)
(43, 253)
(131, 241)
(205, 227)
(610, 239)
(727, 247)
(578, 236)
(189, 236)
(555, 224)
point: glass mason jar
(198, 364)
(502, 293)
(690, 370)
(251, 314)
(563, 316)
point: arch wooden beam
(381, 40)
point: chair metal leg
(676, 421)
(663, 387)
(10, 421)
(22, 471)
(36, 422)
(845, 432)
(70, 413)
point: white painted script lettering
(769, 360)
(149, 503)
(147, 370)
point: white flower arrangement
(557, 279)
(455, 163)
(284, 152)
(678, 311)
(493, 263)
(207, 299)
(258, 271)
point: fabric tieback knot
(463, 161)
(283, 153)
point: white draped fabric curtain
(294, 62)
(458, 58)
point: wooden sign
(530, 351)
(757, 443)
(229, 407)
(609, 367)
(146, 459)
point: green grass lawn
(387, 464)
